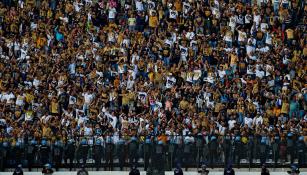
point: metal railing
(153, 154)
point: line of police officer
(156, 154)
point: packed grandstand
(122, 81)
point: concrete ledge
(212, 172)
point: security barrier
(152, 154)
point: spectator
(79, 69)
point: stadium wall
(142, 173)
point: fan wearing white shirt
(264, 26)
(173, 15)
(231, 123)
(112, 14)
(20, 99)
(111, 118)
(242, 37)
(139, 5)
(232, 22)
(8, 97)
(258, 120)
(257, 19)
(88, 98)
(248, 121)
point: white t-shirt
(112, 13)
(259, 74)
(170, 81)
(285, 1)
(258, 120)
(197, 74)
(190, 35)
(20, 100)
(248, 18)
(250, 49)
(130, 84)
(142, 96)
(87, 97)
(8, 97)
(139, 5)
(248, 121)
(183, 52)
(231, 124)
(268, 39)
(232, 21)
(72, 100)
(77, 6)
(189, 77)
(221, 73)
(264, 27)
(257, 19)
(112, 119)
(173, 14)
(240, 20)
(228, 37)
(242, 36)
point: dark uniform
(98, 151)
(133, 149)
(82, 171)
(170, 155)
(294, 170)
(134, 171)
(203, 170)
(18, 150)
(229, 171)
(290, 147)
(159, 157)
(3, 157)
(121, 153)
(109, 153)
(44, 151)
(18, 171)
(57, 153)
(70, 150)
(264, 170)
(187, 154)
(199, 148)
(275, 149)
(301, 150)
(178, 171)
(47, 170)
(213, 150)
(251, 149)
(83, 150)
(237, 150)
(263, 151)
(31, 152)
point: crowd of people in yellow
(153, 69)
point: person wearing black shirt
(134, 170)
(47, 170)
(178, 170)
(69, 150)
(264, 170)
(229, 170)
(294, 170)
(203, 170)
(44, 152)
(82, 171)
(31, 151)
(18, 170)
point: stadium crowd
(152, 69)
